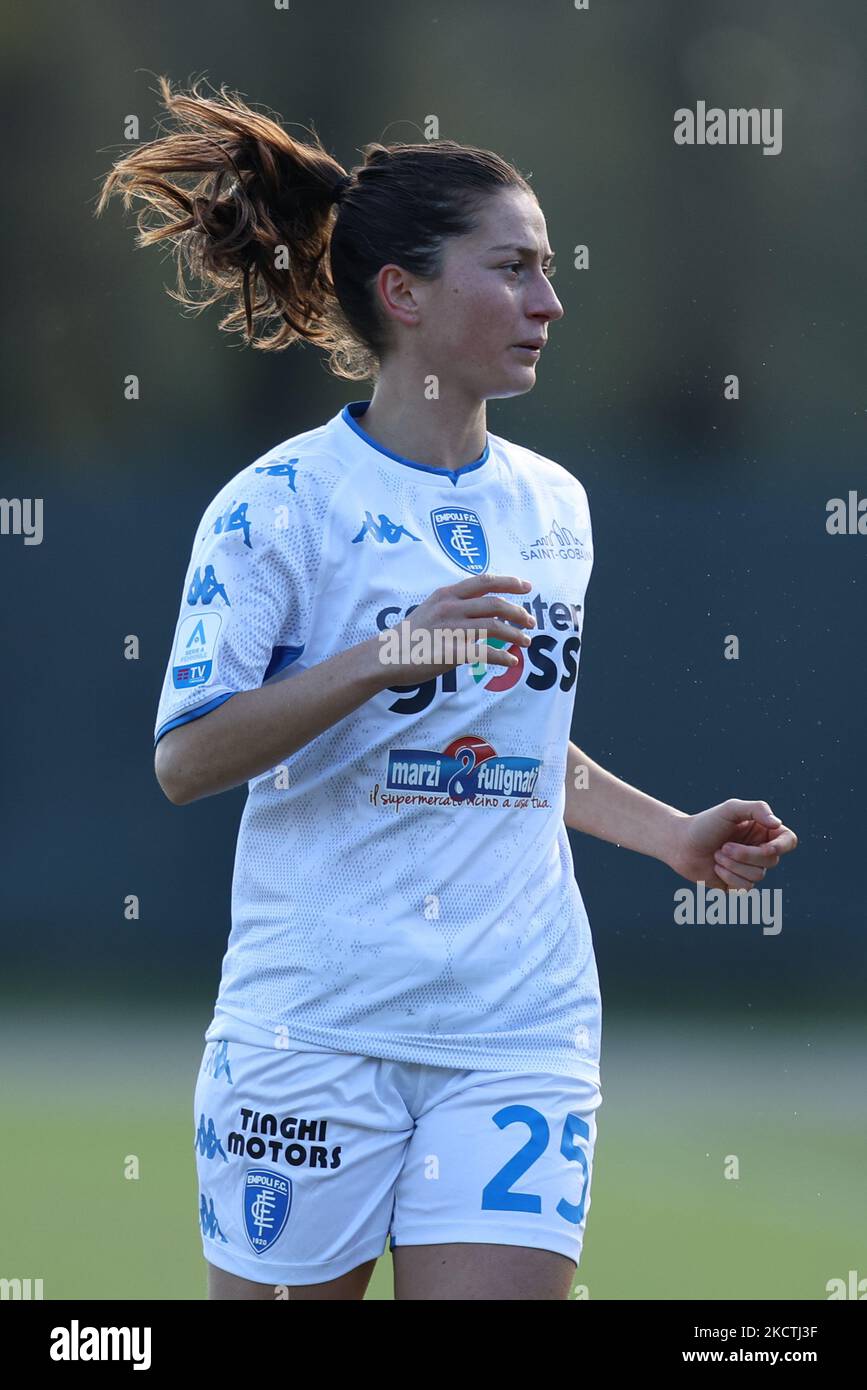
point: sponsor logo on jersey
(462, 536)
(196, 644)
(468, 767)
(383, 530)
(538, 666)
(266, 1199)
(204, 588)
(557, 544)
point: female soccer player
(406, 1038)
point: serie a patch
(195, 650)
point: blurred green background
(708, 517)
(679, 1097)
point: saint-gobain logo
(267, 1197)
(462, 536)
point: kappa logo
(234, 518)
(557, 544)
(208, 1220)
(385, 530)
(216, 1061)
(282, 470)
(196, 644)
(462, 537)
(204, 588)
(267, 1198)
(208, 1140)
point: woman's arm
(730, 846)
(600, 804)
(258, 729)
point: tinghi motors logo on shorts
(462, 536)
(467, 769)
(267, 1197)
(301, 1142)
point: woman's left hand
(730, 846)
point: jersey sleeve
(247, 595)
(583, 524)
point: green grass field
(665, 1223)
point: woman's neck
(442, 433)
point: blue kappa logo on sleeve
(206, 587)
(267, 1197)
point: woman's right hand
(463, 610)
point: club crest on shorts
(267, 1197)
(462, 537)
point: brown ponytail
(268, 211)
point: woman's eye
(549, 271)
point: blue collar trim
(354, 409)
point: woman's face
(492, 295)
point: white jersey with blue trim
(403, 885)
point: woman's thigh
(468, 1272)
(297, 1155)
(494, 1191)
(353, 1285)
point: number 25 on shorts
(496, 1196)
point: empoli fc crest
(462, 537)
(267, 1198)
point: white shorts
(308, 1161)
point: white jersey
(403, 885)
